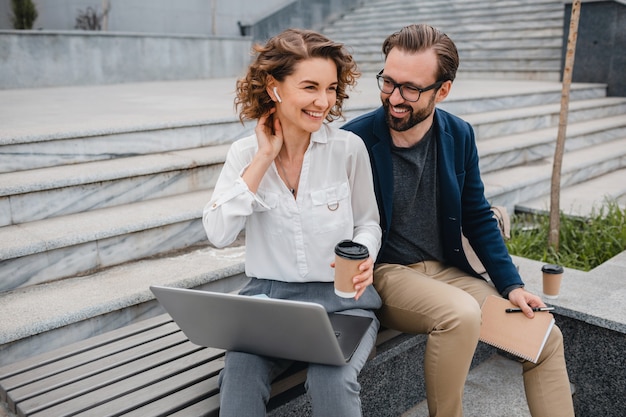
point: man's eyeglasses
(407, 91)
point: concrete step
(472, 96)
(480, 52)
(456, 22)
(481, 74)
(375, 37)
(529, 69)
(525, 70)
(575, 199)
(547, 28)
(399, 18)
(44, 127)
(55, 314)
(513, 186)
(43, 193)
(362, 46)
(506, 122)
(77, 244)
(529, 147)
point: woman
(298, 187)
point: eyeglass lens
(406, 91)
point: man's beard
(415, 117)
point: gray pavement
(493, 388)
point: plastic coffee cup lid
(552, 269)
(351, 250)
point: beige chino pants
(444, 302)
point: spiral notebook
(514, 332)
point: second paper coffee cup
(348, 257)
(552, 276)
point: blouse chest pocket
(273, 215)
(332, 209)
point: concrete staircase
(102, 187)
(496, 38)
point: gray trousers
(245, 382)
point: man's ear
(443, 91)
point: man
(428, 188)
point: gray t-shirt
(414, 233)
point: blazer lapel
(381, 152)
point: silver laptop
(287, 329)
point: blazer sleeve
(478, 224)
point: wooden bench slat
(126, 385)
(209, 407)
(87, 344)
(200, 375)
(82, 387)
(86, 356)
(186, 399)
(83, 372)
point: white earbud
(277, 96)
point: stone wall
(30, 59)
(595, 362)
(600, 45)
(197, 17)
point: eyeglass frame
(400, 86)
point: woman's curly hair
(278, 58)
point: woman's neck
(294, 146)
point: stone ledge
(108, 58)
(596, 297)
(590, 313)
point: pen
(519, 310)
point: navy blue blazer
(462, 197)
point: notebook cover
(514, 332)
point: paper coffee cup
(552, 276)
(348, 256)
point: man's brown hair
(421, 37)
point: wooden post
(555, 192)
(105, 15)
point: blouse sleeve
(232, 202)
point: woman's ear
(272, 90)
(275, 90)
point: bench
(145, 369)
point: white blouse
(291, 239)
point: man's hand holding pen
(535, 309)
(526, 301)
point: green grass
(583, 243)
